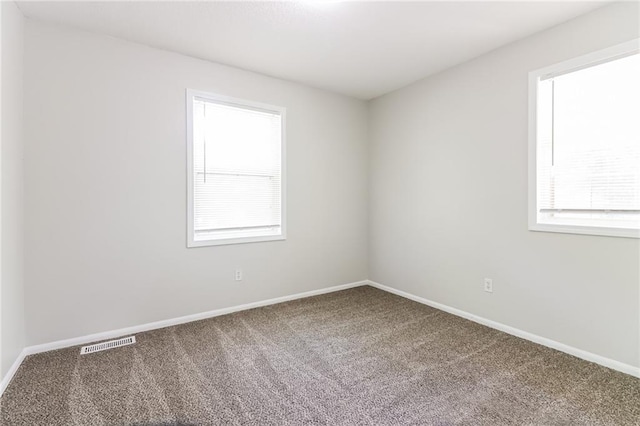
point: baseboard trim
(61, 344)
(76, 341)
(579, 353)
(12, 371)
(107, 335)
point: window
(584, 144)
(235, 170)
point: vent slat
(103, 346)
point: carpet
(355, 357)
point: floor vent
(108, 345)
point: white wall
(106, 188)
(449, 200)
(12, 332)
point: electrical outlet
(488, 285)
(238, 274)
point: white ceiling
(360, 49)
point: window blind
(588, 151)
(237, 173)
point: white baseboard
(579, 353)
(76, 341)
(12, 371)
(61, 344)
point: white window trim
(190, 96)
(570, 65)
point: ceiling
(360, 49)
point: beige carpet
(360, 356)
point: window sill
(586, 230)
(229, 241)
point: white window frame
(221, 99)
(575, 64)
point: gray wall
(106, 192)
(449, 200)
(12, 332)
(106, 188)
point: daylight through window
(587, 139)
(236, 171)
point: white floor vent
(108, 345)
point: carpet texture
(356, 357)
